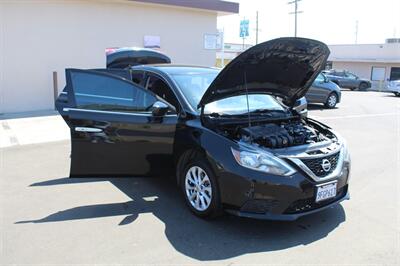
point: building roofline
(359, 44)
(219, 6)
(365, 60)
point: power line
(295, 14)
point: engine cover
(276, 136)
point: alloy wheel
(198, 188)
(332, 99)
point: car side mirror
(300, 107)
(159, 108)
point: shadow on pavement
(223, 238)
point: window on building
(378, 73)
(395, 73)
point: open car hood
(284, 67)
(131, 56)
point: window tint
(102, 92)
(137, 77)
(159, 87)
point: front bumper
(286, 216)
(257, 195)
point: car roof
(177, 69)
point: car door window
(350, 76)
(320, 78)
(98, 91)
(138, 77)
(161, 88)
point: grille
(259, 205)
(309, 204)
(315, 165)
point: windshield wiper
(267, 111)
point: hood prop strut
(247, 96)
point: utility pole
(223, 47)
(257, 27)
(295, 14)
(356, 32)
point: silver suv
(345, 79)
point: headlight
(263, 162)
(345, 150)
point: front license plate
(326, 191)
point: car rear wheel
(363, 86)
(200, 189)
(331, 101)
(397, 94)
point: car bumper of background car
(394, 89)
(280, 198)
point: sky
(329, 21)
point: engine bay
(277, 135)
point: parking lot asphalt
(48, 218)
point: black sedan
(235, 139)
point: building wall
(365, 52)
(363, 70)
(39, 37)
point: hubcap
(332, 100)
(198, 188)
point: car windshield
(320, 78)
(194, 85)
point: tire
(200, 188)
(363, 86)
(397, 94)
(331, 101)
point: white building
(377, 62)
(230, 51)
(38, 38)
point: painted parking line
(354, 116)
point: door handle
(88, 129)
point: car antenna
(247, 97)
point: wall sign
(151, 41)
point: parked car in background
(224, 134)
(324, 91)
(394, 86)
(345, 79)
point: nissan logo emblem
(326, 165)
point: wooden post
(55, 87)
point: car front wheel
(397, 94)
(331, 101)
(200, 189)
(363, 86)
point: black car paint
(126, 57)
(265, 68)
(132, 145)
